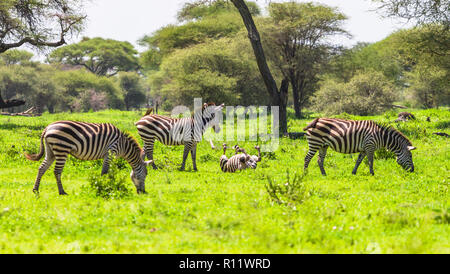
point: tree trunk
(279, 98)
(295, 94)
(10, 103)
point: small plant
(113, 185)
(289, 193)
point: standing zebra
(87, 141)
(178, 131)
(238, 161)
(365, 137)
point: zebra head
(210, 115)
(247, 161)
(404, 158)
(139, 173)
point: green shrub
(113, 185)
(288, 193)
(365, 94)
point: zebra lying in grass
(178, 131)
(87, 141)
(348, 136)
(241, 160)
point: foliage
(131, 85)
(15, 57)
(365, 94)
(39, 23)
(113, 185)
(198, 10)
(420, 11)
(289, 193)
(104, 57)
(429, 86)
(296, 36)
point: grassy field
(212, 212)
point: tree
(278, 96)
(421, 11)
(200, 21)
(104, 57)
(296, 36)
(16, 56)
(130, 82)
(38, 23)
(367, 93)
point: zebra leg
(308, 158)
(187, 149)
(148, 148)
(358, 162)
(106, 162)
(48, 161)
(59, 166)
(193, 155)
(370, 158)
(320, 161)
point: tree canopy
(104, 57)
(38, 23)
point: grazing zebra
(241, 160)
(178, 131)
(87, 141)
(364, 137)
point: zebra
(255, 158)
(365, 137)
(88, 141)
(241, 160)
(178, 131)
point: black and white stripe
(241, 160)
(88, 141)
(178, 131)
(363, 137)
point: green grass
(212, 212)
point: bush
(113, 185)
(289, 193)
(367, 93)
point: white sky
(130, 20)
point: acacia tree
(296, 35)
(38, 23)
(104, 57)
(278, 96)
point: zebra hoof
(63, 193)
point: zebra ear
(411, 148)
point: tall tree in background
(278, 97)
(38, 23)
(420, 11)
(296, 35)
(104, 57)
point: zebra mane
(389, 128)
(131, 138)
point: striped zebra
(178, 131)
(88, 141)
(241, 160)
(363, 137)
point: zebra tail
(312, 124)
(37, 157)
